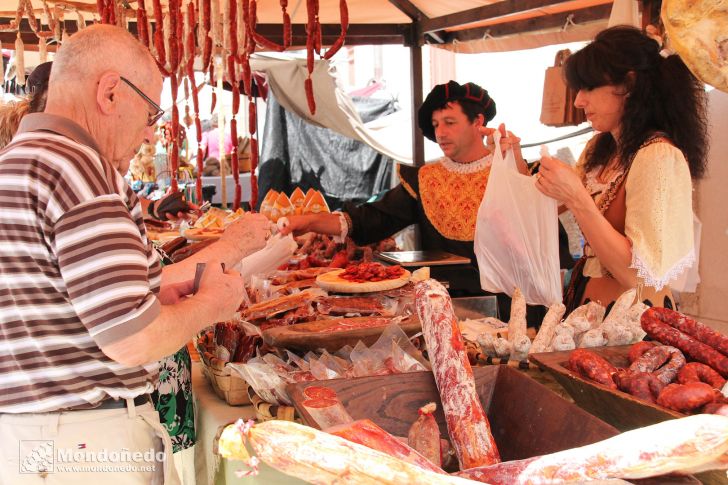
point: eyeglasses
(158, 111)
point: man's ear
(107, 92)
(479, 120)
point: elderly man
(85, 309)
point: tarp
(296, 153)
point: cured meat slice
(467, 423)
(367, 433)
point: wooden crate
(526, 418)
(621, 410)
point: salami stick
(697, 372)
(466, 421)
(548, 328)
(684, 445)
(695, 329)
(659, 330)
(142, 24)
(517, 323)
(319, 457)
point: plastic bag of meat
(323, 405)
(264, 380)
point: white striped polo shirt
(76, 271)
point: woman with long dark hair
(631, 192)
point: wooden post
(415, 45)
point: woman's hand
(560, 181)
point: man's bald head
(97, 49)
(95, 82)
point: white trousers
(102, 447)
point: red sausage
(658, 330)
(592, 366)
(686, 397)
(665, 361)
(700, 332)
(697, 372)
(642, 385)
(636, 351)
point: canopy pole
(415, 45)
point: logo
(36, 456)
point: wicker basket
(228, 385)
(265, 411)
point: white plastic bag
(517, 235)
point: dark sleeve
(566, 260)
(378, 220)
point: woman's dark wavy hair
(664, 96)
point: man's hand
(249, 233)
(174, 292)
(221, 290)
(508, 141)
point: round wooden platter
(329, 335)
(331, 281)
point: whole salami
(654, 323)
(467, 423)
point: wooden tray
(314, 336)
(526, 418)
(621, 410)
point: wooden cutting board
(329, 335)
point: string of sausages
(177, 38)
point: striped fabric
(76, 272)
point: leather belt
(121, 403)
